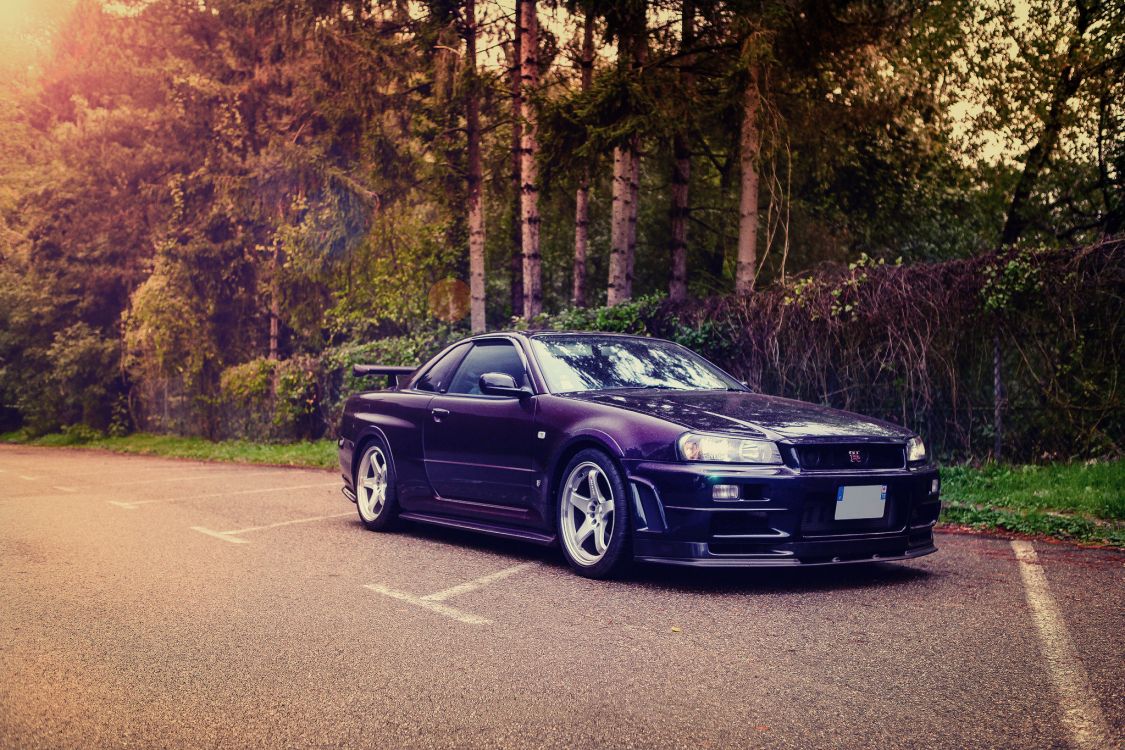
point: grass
(318, 454)
(1078, 502)
(1081, 502)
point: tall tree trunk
(626, 180)
(529, 171)
(515, 260)
(751, 146)
(582, 198)
(476, 209)
(633, 206)
(681, 171)
(1070, 78)
(619, 283)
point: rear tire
(375, 487)
(593, 519)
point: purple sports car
(623, 448)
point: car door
(478, 448)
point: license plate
(863, 501)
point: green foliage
(1010, 281)
(1091, 488)
(633, 316)
(313, 454)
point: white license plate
(863, 501)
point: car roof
(530, 333)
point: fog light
(724, 492)
(935, 486)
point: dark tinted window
(437, 377)
(488, 356)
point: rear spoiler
(394, 374)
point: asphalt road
(150, 602)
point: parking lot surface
(149, 602)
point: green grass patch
(1096, 490)
(1081, 502)
(319, 454)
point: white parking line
(190, 478)
(479, 583)
(134, 504)
(231, 536)
(433, 602)
(442, 609)
(1081, 713)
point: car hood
(751, 414)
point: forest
(209, 209)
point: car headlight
(915, 450)
(696, 447)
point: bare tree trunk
(681, 172)
(582, 199)
(515, 262)
(476, 208)
(529, 171)
(626, 184)
(751, 145)
(1070, 78)
(619, 283)
(633, 206)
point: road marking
(133, 504)
(479, 583)
(230, 536)
(1081, 713)
(188, 479)
(30, 479)
(433, 602)
(442, 609)
(65, 489)
(219, 535)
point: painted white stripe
(290, 523)
(479, 583)
(194, 477)
(231, 536)
(1081, 713)
(219, 535)
(132, 504)
(442, 609)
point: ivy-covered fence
(923, 345)
(927, 345)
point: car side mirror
(501, 384)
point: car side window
(488, 356)
(438, 377)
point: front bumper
(784, 517)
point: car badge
(855, 457)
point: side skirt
(534, 537)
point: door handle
(437, 414)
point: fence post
(997, 396)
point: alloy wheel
(587, 513)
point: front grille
(849, 456)
(818, 516)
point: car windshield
(593, 363)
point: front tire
(375, 488)
(593, 516)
